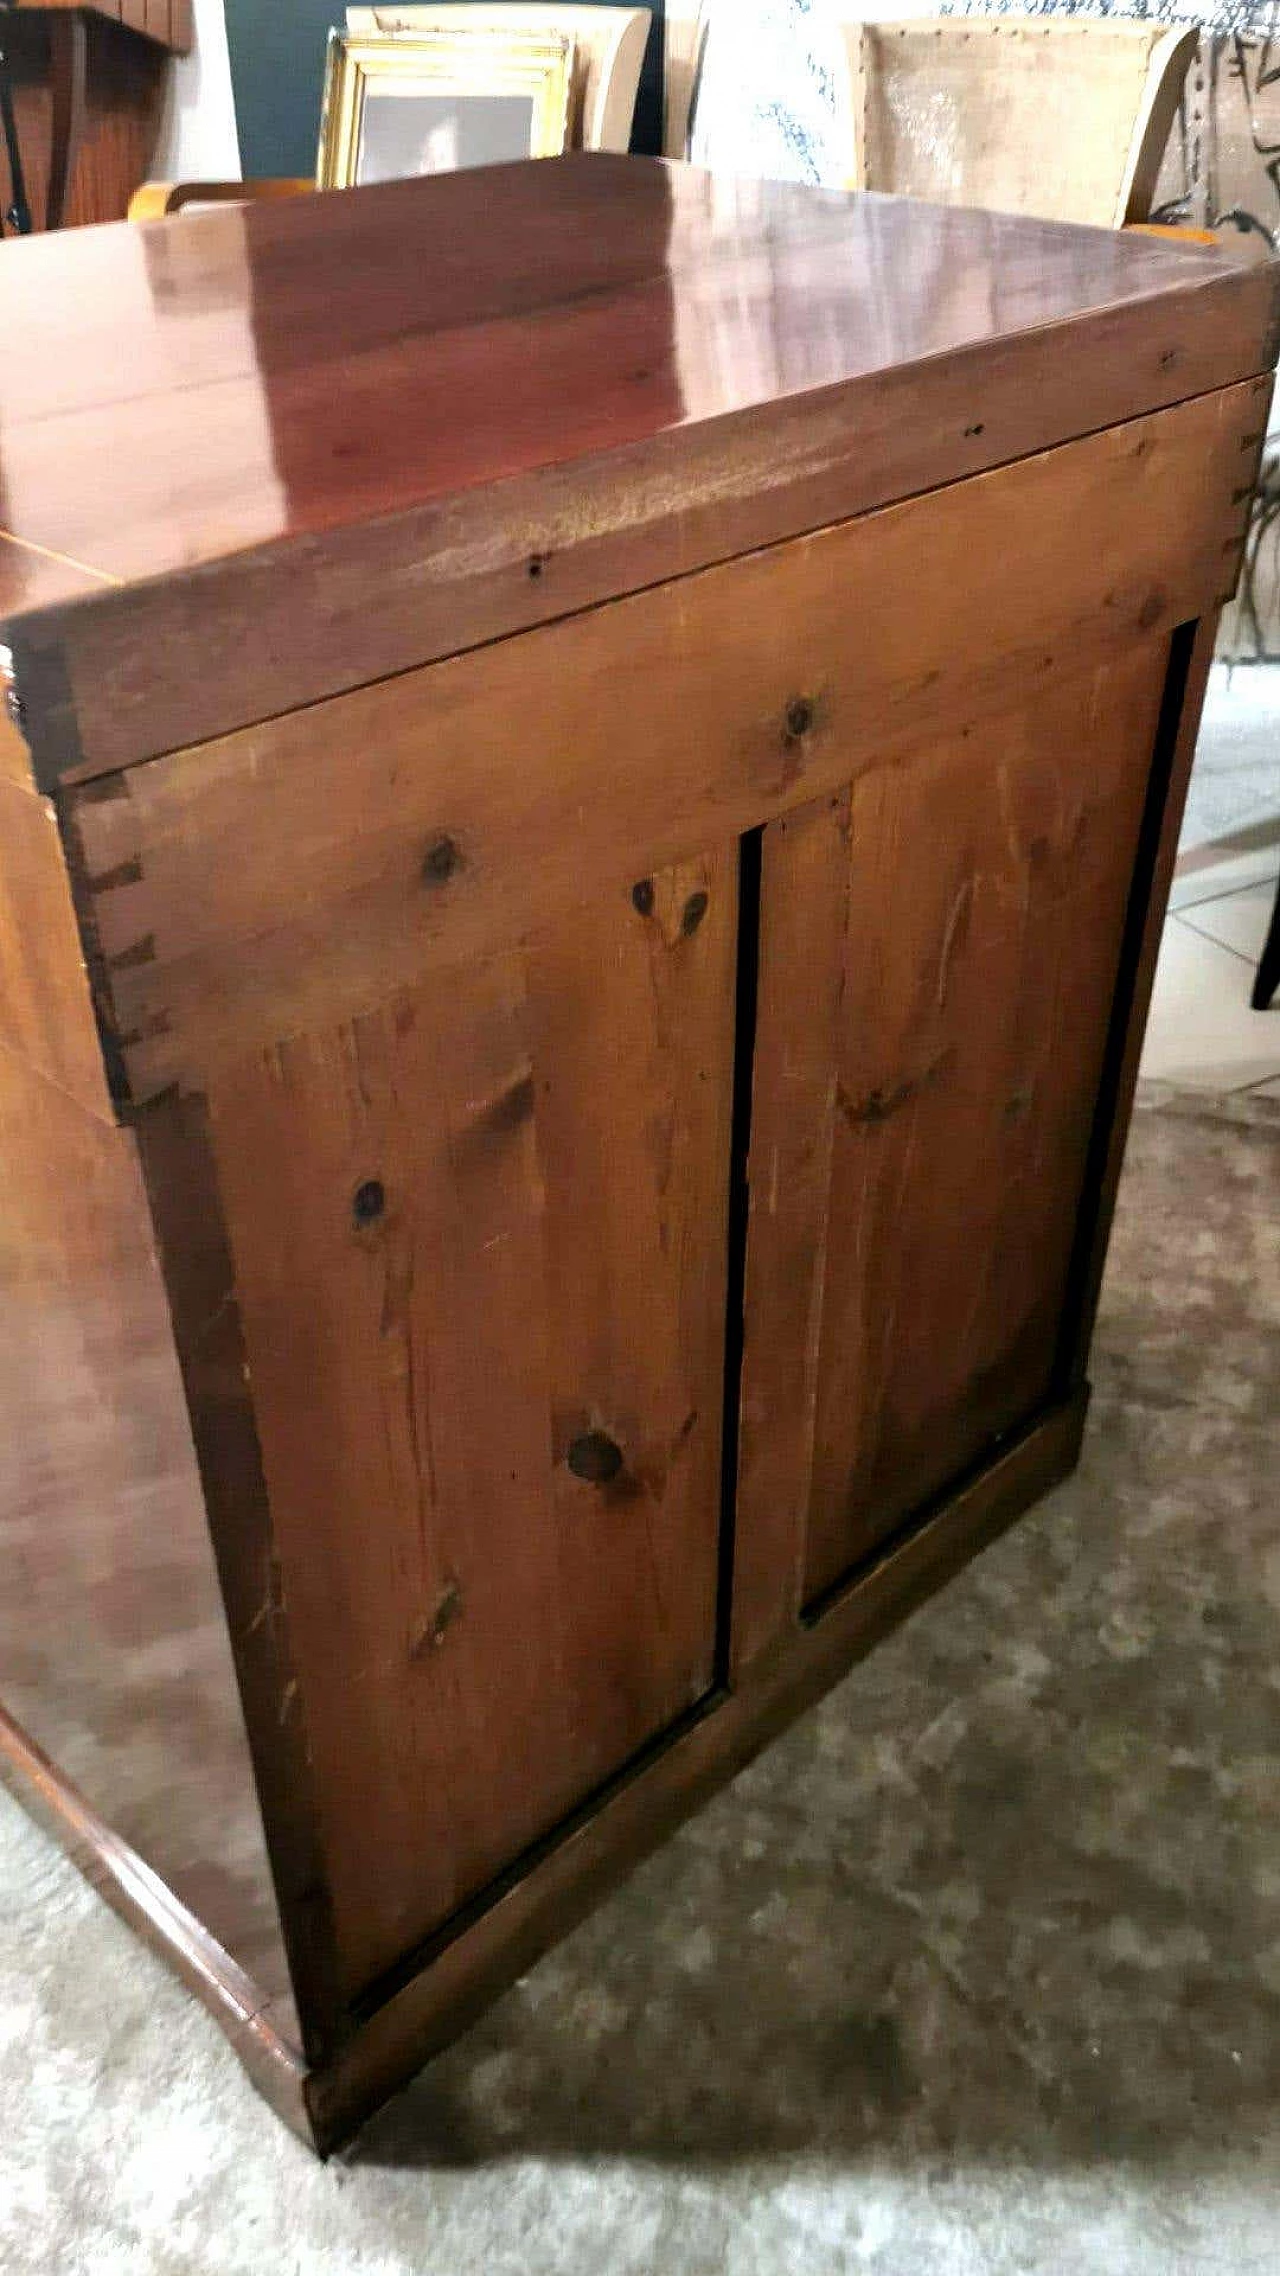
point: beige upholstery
(1062, 116)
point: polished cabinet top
(173, 391)
(280, 376)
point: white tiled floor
(1202, 1031)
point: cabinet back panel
(940, 947)
(480, 1243)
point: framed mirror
(397, 105)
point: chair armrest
(156, 199)
(1169, 229)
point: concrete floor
(977, 1971)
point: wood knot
(695, 909)
(799, 717)
(595, 1457)
(368, 1201)
(430, 1633)
(642, 897)
(440, 861)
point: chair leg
(1268, 975)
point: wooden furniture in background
(571, 990)
(88, 85)
(609, 46)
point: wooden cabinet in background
(88, 84)
(585, 831)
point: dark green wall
(277, 71)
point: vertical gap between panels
(750, 854)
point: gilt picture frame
(397, 105)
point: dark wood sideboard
(88, 84)
(586, 821)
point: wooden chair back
(1064, 117)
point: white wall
(198, 141)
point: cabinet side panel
(113, 1648)
(479, 1242)
(974, 957)
(46, 1009)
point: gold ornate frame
(470, 62)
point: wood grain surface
(479, 1261)
(611, 372)
(738, 970)
(501, 1940)
(87, 99)
(167, 21)
(904, 625)
(46, 1010)
(175, 1154)
(113, 1641)
(238, 2003)
(1179, 730)
(950, 1062)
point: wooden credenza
(88, 84)
(586, 821)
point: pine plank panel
(495, 1634)
(901, 624)
(804, 893)
(636, 1227)
(969, 1042)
